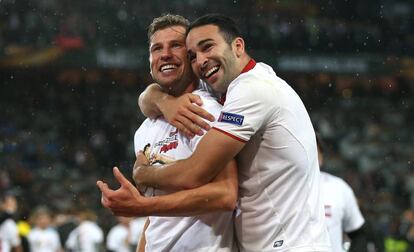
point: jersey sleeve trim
(230, 135)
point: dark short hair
(226, 25)
(166, 21)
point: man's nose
(201, 60)
(166, 53)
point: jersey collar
(250, 65)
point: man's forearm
(149, 100)
(218, 195)
(158, 177)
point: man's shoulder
(143, 127)
(118, 228)
(261, 79)
(332, 179)
(261, 70)
(205, 94)
(8, 224)
(92, 228)
(210, 102)
(150, 124)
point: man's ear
(238, 45)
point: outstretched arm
(218, 195)
(182, 112)
(213, 152)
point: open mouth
(168, 68)
(211, 71)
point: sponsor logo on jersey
(231, 118)
(278, 244)
(167, 147)
(167, 140)
(169, 143)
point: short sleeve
(353, 218)
(247, 108)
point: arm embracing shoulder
(148, 101)
(184, 112)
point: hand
(141, 160)
(126, 200)
(186, 115)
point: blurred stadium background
(71, 72)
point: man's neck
(184, 89)
(243, 62)
(191, 87)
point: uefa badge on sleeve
(231, 118)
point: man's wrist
(148, 206)
(142, 175)
(162, 102)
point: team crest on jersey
(156, 158)
(231, 118)
(156, 154)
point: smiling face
(212, 58)
(168, 59)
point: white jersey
(136, 227)
(118, 239)
(209, 232)
(44, 240)
(87, 237)
(9, 235)
(341, 209)
(280, 198)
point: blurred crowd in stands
(57, 139)
(311, 26)
(62, 129)
(72, 231)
